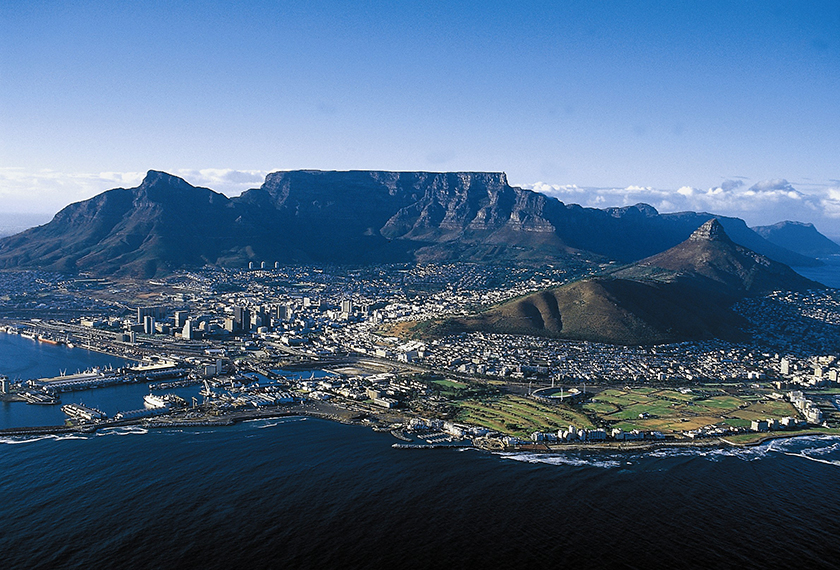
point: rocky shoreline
(333, 413)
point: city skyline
(716, 107)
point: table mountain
(347, 217)
(799, 237)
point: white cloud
(731, 184)
(831, 205)
(225, 180)
(555, 189)
(48, 191)
(765, 202)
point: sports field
(520, 416)
(667, 410)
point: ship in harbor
(156, 401)
(40, 398)
(83, 413)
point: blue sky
(732, 107)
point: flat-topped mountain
(799, 237)
(347, 217)
(683, 293)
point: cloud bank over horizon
(762, 203)
(45, 192)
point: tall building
(180, 318)
(259, 318)
(347, 306)
(283, 312)
(241, 319)
(187, 331)
(149, 324)
(157, 312)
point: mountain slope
(715, 263)
(799, 237)
(346, 217)
(681, 294)
(161, 225)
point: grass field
(646, 409)
(450, 384)
(520, 416)
(669, 410)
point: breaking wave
(564, 459)
(822, 449)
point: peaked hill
(347, 217)
(681, 294)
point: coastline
(332, 415)
(380, 419)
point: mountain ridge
(800, 237)
(683, 293)
(305, 216)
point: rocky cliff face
(344, 217)
(161, 225)
(799, 237)
(716, 263)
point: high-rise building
(149, 324)
(158, 312)
(347, 306)
(241, 319)
(282, 312)
(180, 318)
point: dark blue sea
(303, 493)
(827, 274)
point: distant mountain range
(683, 293)
(350, 217)
(799, 237)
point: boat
(153, 401)
(47, 340)
(39, 398)
(81, 412)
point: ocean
(298, 492)
(827, 274)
